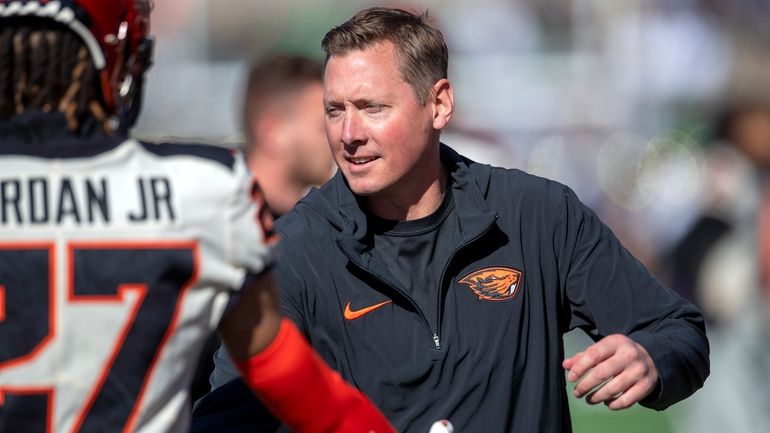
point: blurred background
(654, 111)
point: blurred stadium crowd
(655, 111)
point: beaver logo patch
(494, 284)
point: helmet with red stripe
(116, 33)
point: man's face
(380, 136)
(312, 162)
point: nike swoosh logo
(353, 315)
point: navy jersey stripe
(219, 154)
(79, 148)
(64, 148)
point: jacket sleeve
(605, 290)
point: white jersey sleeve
(250, 219)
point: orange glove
(304, 393)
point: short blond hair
(420, 47)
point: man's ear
(443, 103)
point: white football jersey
(115, 267)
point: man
(283, 124)
(441, 287)
(736, 398)
(285, 146)
(117, 257)
(735, 172)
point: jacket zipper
(436, 339)
(435, 335)
(383, 280)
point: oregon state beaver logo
(494, 284)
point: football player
(118, 257)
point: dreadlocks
(45, 66)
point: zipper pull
(436, 341)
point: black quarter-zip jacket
(493, 362)
(532, 263)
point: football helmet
(116, 33)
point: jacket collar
(470, 181)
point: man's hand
(615, 370)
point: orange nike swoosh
(353, 315)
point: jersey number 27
(39, 311)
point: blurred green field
(599, 419)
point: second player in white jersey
(117, 258)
